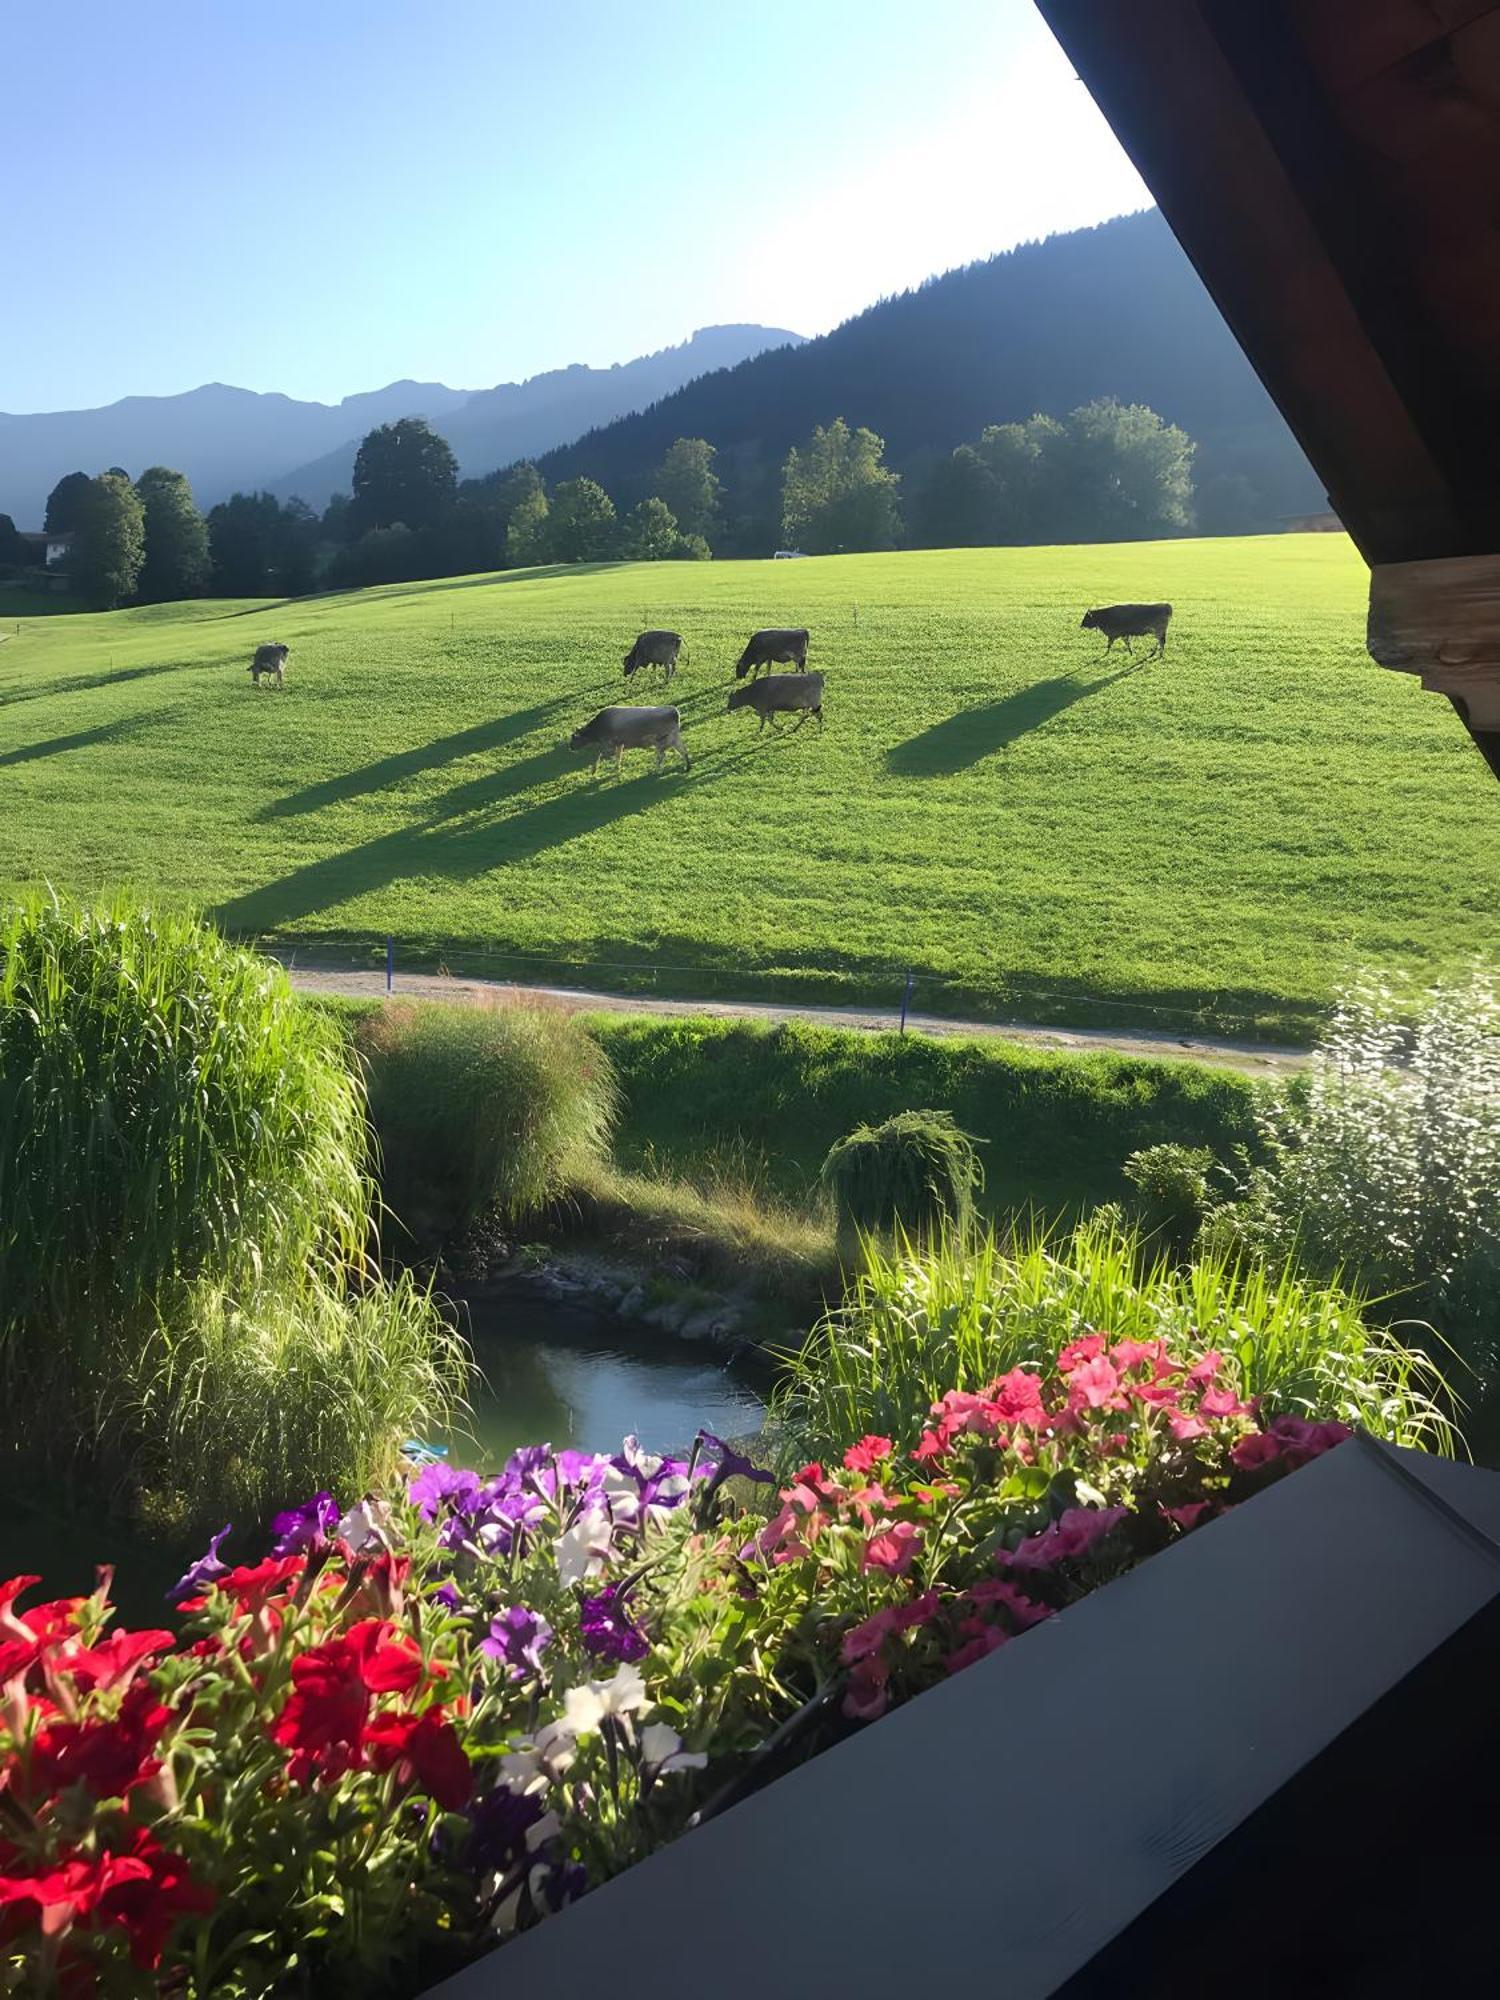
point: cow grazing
(614, 730)
(654, 649)
(782, 694)
(1131, 621)
(269, 664)
(764, 648)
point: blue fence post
(390, 964)
(905, 1001)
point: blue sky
(321, 196)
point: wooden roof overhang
(1332, 168)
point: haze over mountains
(239, 440)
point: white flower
(546, 1828)
(584, 1708)
(533, 1766)
(661, 1750)
(642, 1462)
(582, 1549)
(365, 1525)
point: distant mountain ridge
(1115, 310)
(238, 440)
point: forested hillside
(1113, 311)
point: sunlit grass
(992, 802)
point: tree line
(1107, 471)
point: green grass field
(1033, 828)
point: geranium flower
(206, 1570)
(1017, 1398)
(607, 1629)
(893, 1551)
(305, 1529)
(424, 1751)
(867, 1454)
(518, 1637)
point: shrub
(917, 1171)
(444, 1715)
(1173, 1195)
(1385, 1163)
(481, 1110)
(922, 1319)
(175, 1130)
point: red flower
(253, 1585)
(867, 1454)
(425, 1751)
(1204, 1369)
(109, 1755)
(146, 1891)
(1301, 1441)
(1185, 1426)
(114, 1660)
(324, 1719)
(1190, 1515)
(933, 1446)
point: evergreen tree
(63, 503)
(177, 558)
(109, 541)
(649, 533)
(582, 523)
(837, 495)
(528, 535)
(403, 472)
(687, 483)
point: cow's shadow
(973, 734)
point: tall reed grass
(482, 1110)
(924, 1319)
(184, 1170)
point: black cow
(765, 648)
(1131, 621)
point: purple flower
(305, 1527)
(498, 1827)
(518, 1638)
(526, 1463)
(607, 1628)
(206, 1570)
(731, 1464)
(447, 1595)
(564, 1884)
(438, 1482)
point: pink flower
(983, 1639)
(1024, 1611)
(860, 1641)
(934, 1445)
(1085, 1348)
(1096, 1383)
(1220, 1403)
(1190, 1515)
(1204, 1368)
(1183, 1426)
(1017, 1398)
(894, 1550)
(1302, 1441)
(867, 1454)
(1254, 1451)
(866, 1697)
(1136, 1353)
(1073, 1534)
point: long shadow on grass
(975, 733)
(466, 835)
(55, 746)
(402, 764)
(79, 683)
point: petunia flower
(366, 1525)
(517, 1639)
(206, 1570)
(867, 1454)
(1085, 1348)
(585, 1707)
(893, 1551)
(305, 1528)
(438, 1484)
(866, 1697)
(607, 1629)
(662, 1751)
(581, 1550)
(1094, 1382)
(732, 1464)
(424, 1751)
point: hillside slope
(1112, 311)
(1206, 843)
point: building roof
(1331, 167)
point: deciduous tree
(261, 548)
(686, 481)
(177, 562)
(649, 533)
(63, 503)
(582, 524)
(528, 535)
(403, 472)
(836, 493)
(109, 541)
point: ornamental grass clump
(923, 1317)
(186, 1221)
(916, 1171)
(482, 1111)
(433, 1719)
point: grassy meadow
(1211, 840)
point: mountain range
(239, 440)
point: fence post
(905, 1001)
(390, 964)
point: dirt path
(1254, 1059)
